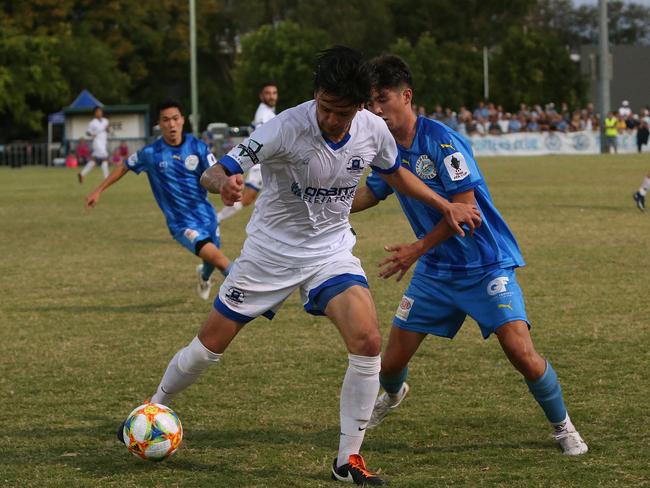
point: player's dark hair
(267, 83)
(170, 103)
(342, 72)
(390, 71)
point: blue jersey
(174, 173)
(444, 161)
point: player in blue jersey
(455, 276)
(174, 164)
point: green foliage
(31, 82)
(283, 54)
(449, 74)
(534, 67)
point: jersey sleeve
(386, 160)
(378, 187)
(137, 162)
(206, 158)
(455, 163)
(265, 145)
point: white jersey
(98, 130)
(263, 114)
(301, 217)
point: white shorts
(254, 178)
(257, 287)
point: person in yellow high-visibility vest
(611, 132)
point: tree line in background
(138, 52)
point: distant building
(630, 75)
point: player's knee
(368, 344)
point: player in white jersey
(639, 196)
(98, 130)
(299, 237)
(253, 184)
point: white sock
(183, 370)
(88, 168)
(645, 186)
(227, 212)
(358, 394)
(565, 425)
(105, 169)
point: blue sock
(207, 271)
(393, 384)
(226, 271)
(548, 394)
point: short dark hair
(265, 84)
(170, 103)
(342, 72)
(390, 71)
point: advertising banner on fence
(541, 143)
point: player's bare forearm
(363, 199)
(116, 174)
(213, 178)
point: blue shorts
(190, 237)
(438, 306)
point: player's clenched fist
(232, 189)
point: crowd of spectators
(491, 119)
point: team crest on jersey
(456, 166)
(162, 166)
(355, 164)
(191, 162)
(425, 168)
(190, 234)
(235, 295)
(404, 308)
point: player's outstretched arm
(363, 199)
(116, 174)
(455, 214)
(404, 255)
(215, 180)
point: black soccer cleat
(120, 433)
(640, 201)
(355, 472)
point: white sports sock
(183, 370)
(645, 186)
(565, 425)
(88, 168)
(105, 169)
(358, 394)
(227, 212)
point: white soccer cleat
(384, 404)
(571, 443)
(203, 287)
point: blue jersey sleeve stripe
(388, 171)
(231, 165)
(250, 185)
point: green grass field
(95, 304)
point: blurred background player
(639, 196)
(174, 164)
(98, 130)
(456, 276)
(299, 237)
(265, 112)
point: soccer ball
(153, 432)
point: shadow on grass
(76, 309)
